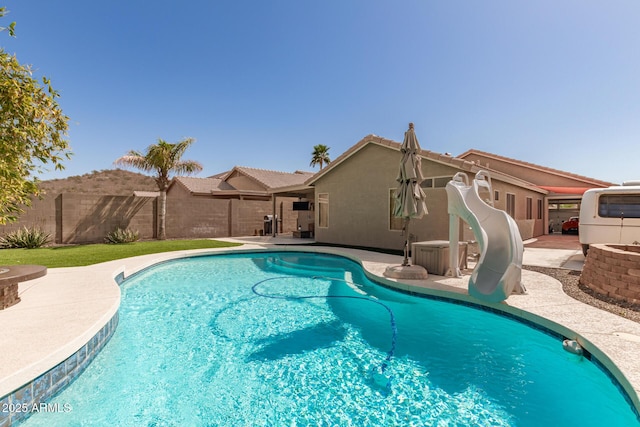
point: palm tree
(162, 158)
(320, 155)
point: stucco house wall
(243, 182)
(358, 192)
(359, 197)
(358, 187)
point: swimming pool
(251, 339)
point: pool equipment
(572, 346)
(380, 379)
(498, 271)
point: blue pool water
(250, 339)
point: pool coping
(63, 311)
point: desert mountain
(114, 182)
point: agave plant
(24, 237)
(120, 235)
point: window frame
(394, 221)
(510, 207)
(616, 206)
(323, 206)
(431, 180)
(540, 205)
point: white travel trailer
(610, 215)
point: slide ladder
(498, 271)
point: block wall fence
(72, 218)
(613, 271)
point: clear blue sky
(259, 83)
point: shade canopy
(409, 196)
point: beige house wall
(243, 182)
(358, 190)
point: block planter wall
(613, 271)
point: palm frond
(133, 159)
(187, 167)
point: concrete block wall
(41, 214)
(87, 218)
(73, 218)
(248, 216)
(197, 217)
(613, 271)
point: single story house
(353, 195)
(565, 188)
(233, 203)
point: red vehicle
(571, 226)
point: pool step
(302, 266)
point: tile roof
(220, 175)
(274, 179)
(534, 166)
(203, 185)
(268, 178)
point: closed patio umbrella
(409, 197)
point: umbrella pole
(406, 242)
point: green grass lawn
(79, 255)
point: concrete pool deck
(62, 311)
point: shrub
(122, 236)
(29, 238)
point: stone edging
(31, 397)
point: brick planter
(613, 271)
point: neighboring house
(354, 197)
(234, 203)
(244, 178)
(565, 188)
